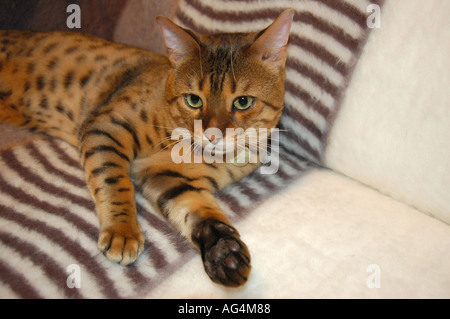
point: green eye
(193, 101)
(244, 102)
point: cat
(119, 106)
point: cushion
(393, 129)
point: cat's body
(119, 105)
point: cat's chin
(236, 157)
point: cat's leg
(184, 195)
(107, 149)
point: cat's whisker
(283, 130)
(263, 148)
(164, 140)
(170, 145)
(169, 128)
(169, 138)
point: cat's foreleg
(106, 153)
(184, 195)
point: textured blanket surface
(47, 218)
(48, 223)
(328, 236)
(393, 129)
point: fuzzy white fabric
(393, 129)
(328, 236)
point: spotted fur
(119, 105)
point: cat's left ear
(181, 44)
(271, 45)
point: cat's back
(50, 81)
(72, 46)
(69, 67)
(72, 58)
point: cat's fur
(119, 106)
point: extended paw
(121, 244)
(225, 257)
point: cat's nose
(213, 138)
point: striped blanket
(47, 218)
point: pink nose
(213, 138)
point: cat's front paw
(225, 257)
(121, 244)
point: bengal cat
(119, 105)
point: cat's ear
(180, 44)
(272, 42)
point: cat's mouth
(221, 153)
(236, 149)
(217, 147)
(239, 147)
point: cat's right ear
(271, 45)
(180, 44)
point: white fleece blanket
(328, 236)
(393, 129)
(316, 238)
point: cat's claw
(120, 246)
(225, 257)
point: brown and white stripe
(47, 217)
(48, 222)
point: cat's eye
(193, 101)
(243, 102)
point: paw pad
(225, 257)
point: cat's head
(226, 80)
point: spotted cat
(119, 106)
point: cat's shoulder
(69, 43)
